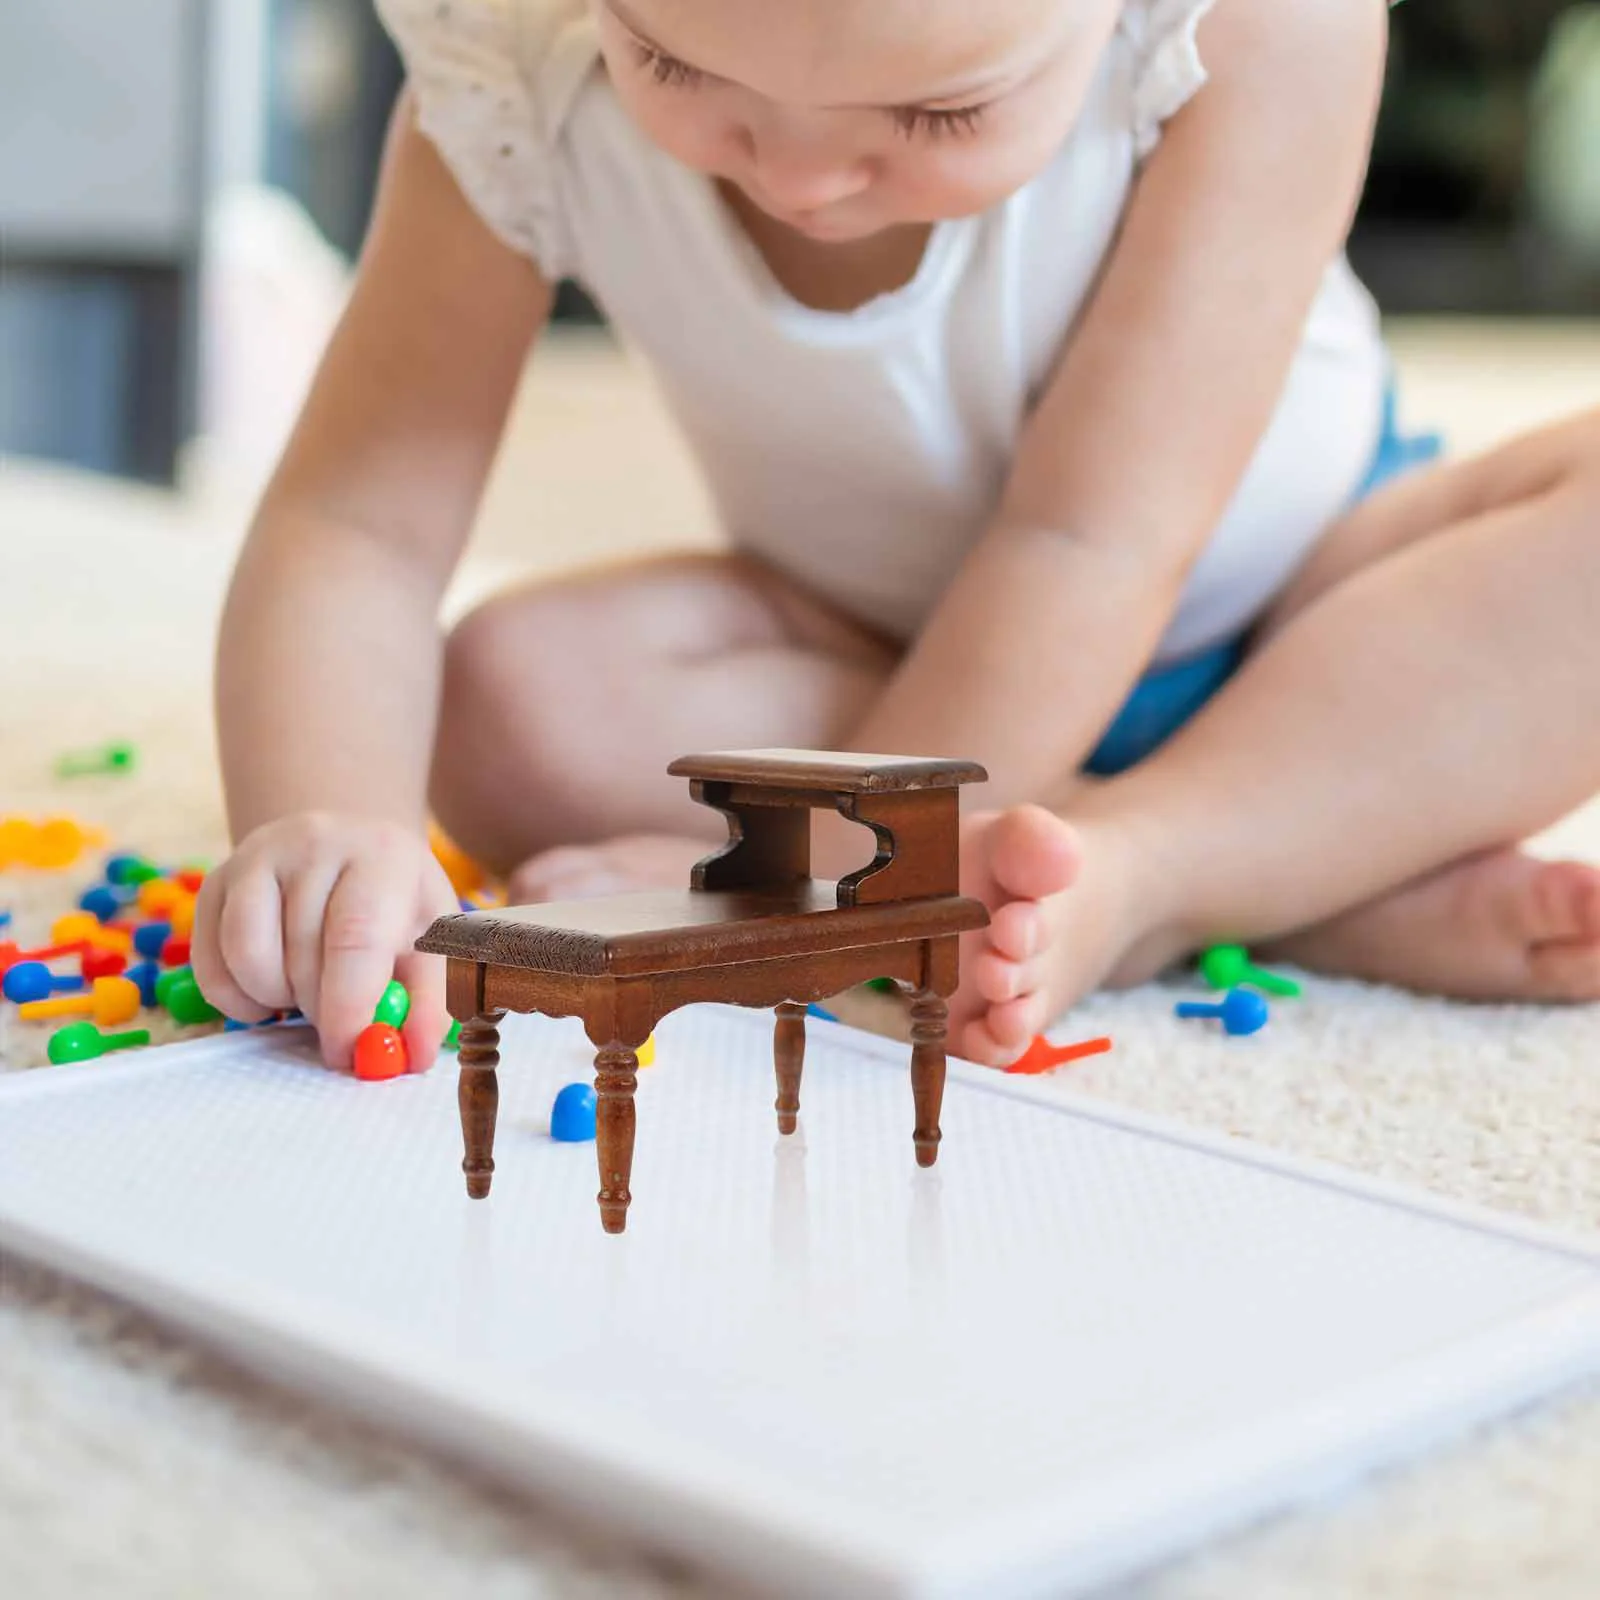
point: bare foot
(1498, 926)
(584, 871)
(1019, 863)
(1073, 909)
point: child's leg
(564, 702)
(1428, 691)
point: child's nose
(797, 172)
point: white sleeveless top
(864, 452)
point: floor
(141, 1467)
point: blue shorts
(1166, 698)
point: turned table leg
(478, 1093)
(789, 1056)
(616, 1074)
(929, 1019)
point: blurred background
(183, 181)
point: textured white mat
(808, 1362)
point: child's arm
(329, 662)
(1158, 403)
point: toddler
(1047, 426)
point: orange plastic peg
(59, 841)
(109, 1002)
(181, 917)
(157, 897)
(1041, 1055)
(85, 927)
(465, 875)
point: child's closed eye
(959, 122)
(926, 122)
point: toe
(1017, 930)
(1566, 971)
(1013, 1024)
(997, 978)
(1032, 853)
(1565, 904)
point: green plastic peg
(1226, 966)
(395, 1006)
(452, 1040)
(108, 758)
(128, 872)
(168, 978)
(883, 985)
(185, 1004)
(82, 1041)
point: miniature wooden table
(754, 928)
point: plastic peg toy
(1041, 1055)
(104, 902)
(394, 1006)
(103, 964)
(181, 916)
(82, 1041)
(150, 939)
(1226, 966)
(168, 979)
(1242, 1011)
(452, 1039)
(883, 985)
(157, 896)
(104, 759)
(145, 973)
(10, 954)
(814, 1010)
(33, 980)
(16, 841)
(380, 1053)
(86, 926)
(184, 1002)
(646, 1053)
(465, 875)
(130, 871)
(189, 879)
(57, 843)
(175, 952)
(110, 1001)
(5, 919)
(572, 1116)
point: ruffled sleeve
(1168, 71)
(476, 70)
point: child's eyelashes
(957, 123)
(913, 121)
(667, 69)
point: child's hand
(317, 912)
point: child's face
(844, 117)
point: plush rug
(134, 1465)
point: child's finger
(250, 937)
(207, 957)
(305, 907)
(427, 1023)
(367, 923)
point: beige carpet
(133, 1465)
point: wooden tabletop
(841, 772)
(669, 930)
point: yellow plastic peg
(109, 1002)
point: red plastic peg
(103, 964)
(1041, 1055)
(11, 954)
(380, 1053)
